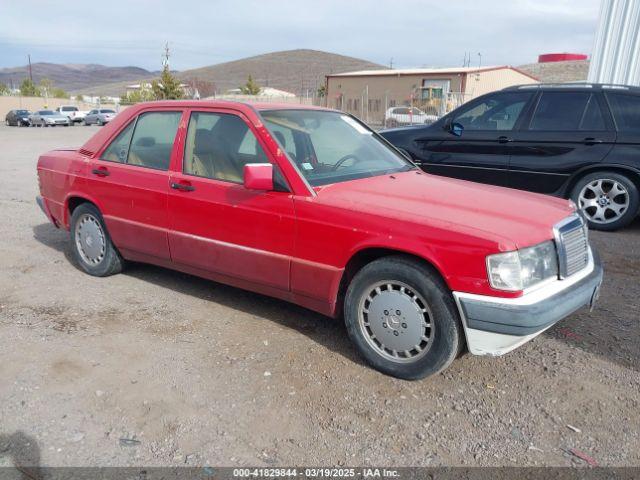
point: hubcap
(90, 239)
(396, 321)
(604, 200)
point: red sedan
(311, 206)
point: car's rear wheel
(401, 317)
(99, 122)
(90, 242)
(608, 200)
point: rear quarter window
(626, 111)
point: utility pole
(165, 57)
(391, 63)
(30, 74)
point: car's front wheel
(90, 242)
(608, 200)
(402, 318)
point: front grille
(573, 245)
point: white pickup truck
(74, 113)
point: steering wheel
(344, 159)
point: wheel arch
(366, 255)
(632, 173)
(72, 202)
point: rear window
(626, 111)
(107, 111)
(22, 112)
(69, 109)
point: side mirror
(258, 176)
(456, 129)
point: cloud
(200, 32)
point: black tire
(110, 262)
(445, 334)
(589, 184)
(99, 122)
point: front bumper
(495, 326)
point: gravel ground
(153, 367)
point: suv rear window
(626, 111)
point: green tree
(28, 89)
(59, 93)
(79, 98)
(46, 86)
(322, 91)
(4, 90)
(167, 87)
(251, 87)
(137, 96)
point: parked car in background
(48, 118)
(577, 141)
(17, 118)
(74, 113)
(309, 205)
(396, 116)
(99, 117)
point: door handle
(183, 187)
(504, 139)
(101, 172)
(592, 141)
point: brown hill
(558, 72)
(294, 71)
(71, 77)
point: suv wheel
(90, 242)
(608, 200)
(402, 318)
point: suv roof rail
(573, 85)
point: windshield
(46, 112)
(330, 147)
(107, 111)
(69, 109)
(22, 112)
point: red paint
(291, 245)
(258, 176)
(560, 57)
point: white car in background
(396, 116)
(74, 113)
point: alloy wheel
(90, 239)
(603, 200)
(396, 321)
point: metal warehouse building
(369, 93)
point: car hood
(512, 218)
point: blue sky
(414, 33)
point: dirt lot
(153, 367)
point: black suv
(578, 141)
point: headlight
(49, 120)
(515, 271)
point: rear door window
(153, 138)
(626, 111)
(567, 111)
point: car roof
(575, 87)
